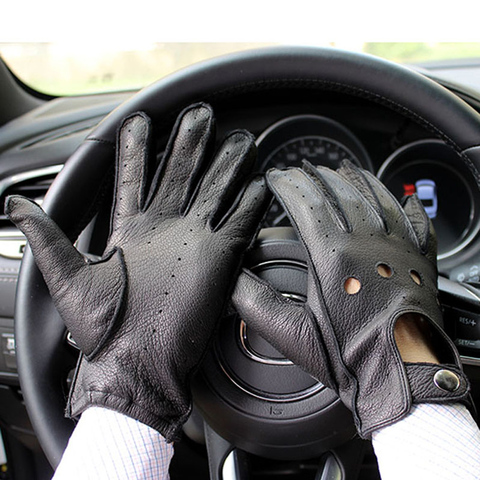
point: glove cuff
(425, 383)
(90, 386)
(436, 383)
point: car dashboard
(304, 125)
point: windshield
(65, 68)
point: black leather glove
(352, 227)
(143, 315)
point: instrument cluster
(429, 168)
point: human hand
(143, 314)
(370, 262)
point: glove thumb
(286, 324)
(68, 275)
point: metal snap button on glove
(144, 313)
(446, 380)
(370, 261)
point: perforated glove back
(353, 228)
(144, 314)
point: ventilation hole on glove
(303, 196)
(384, 270)
(129, 130)
(352, 285)
(415, 277)
(166, 293)
(311, 208)
(153, 228)
(179, 259)
(154, 331)
(226, 153)
(149, 243)
(160, 311)
(296, 186)
(326, 235)
(125, 165)
(191, 230)
(333, 250)
(184, 243)
(126, 146)
(173, 276)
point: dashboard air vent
(32, 184)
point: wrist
(412, 335)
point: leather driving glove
(356, 233)
(143, 315)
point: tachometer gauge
(318, 140)
(443, 184)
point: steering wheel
(75, 194)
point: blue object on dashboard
(427, 193)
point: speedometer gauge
(315, 149)
(318, 140)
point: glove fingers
(380, 199)
(346, 199)
(310, 206)
(422, 225)
(189, 144)
(225, 176)
(283, 323)
(54, 253)
(356, 177)
(132, 159)
(244, 220)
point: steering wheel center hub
(246, 389)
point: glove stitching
(120, 302)
(318, 284)
(331, 200)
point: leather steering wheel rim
(39, 330)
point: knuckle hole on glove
(415, 276)
(384, 270)
(352, 285)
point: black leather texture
(143, 315)
(350, 225)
